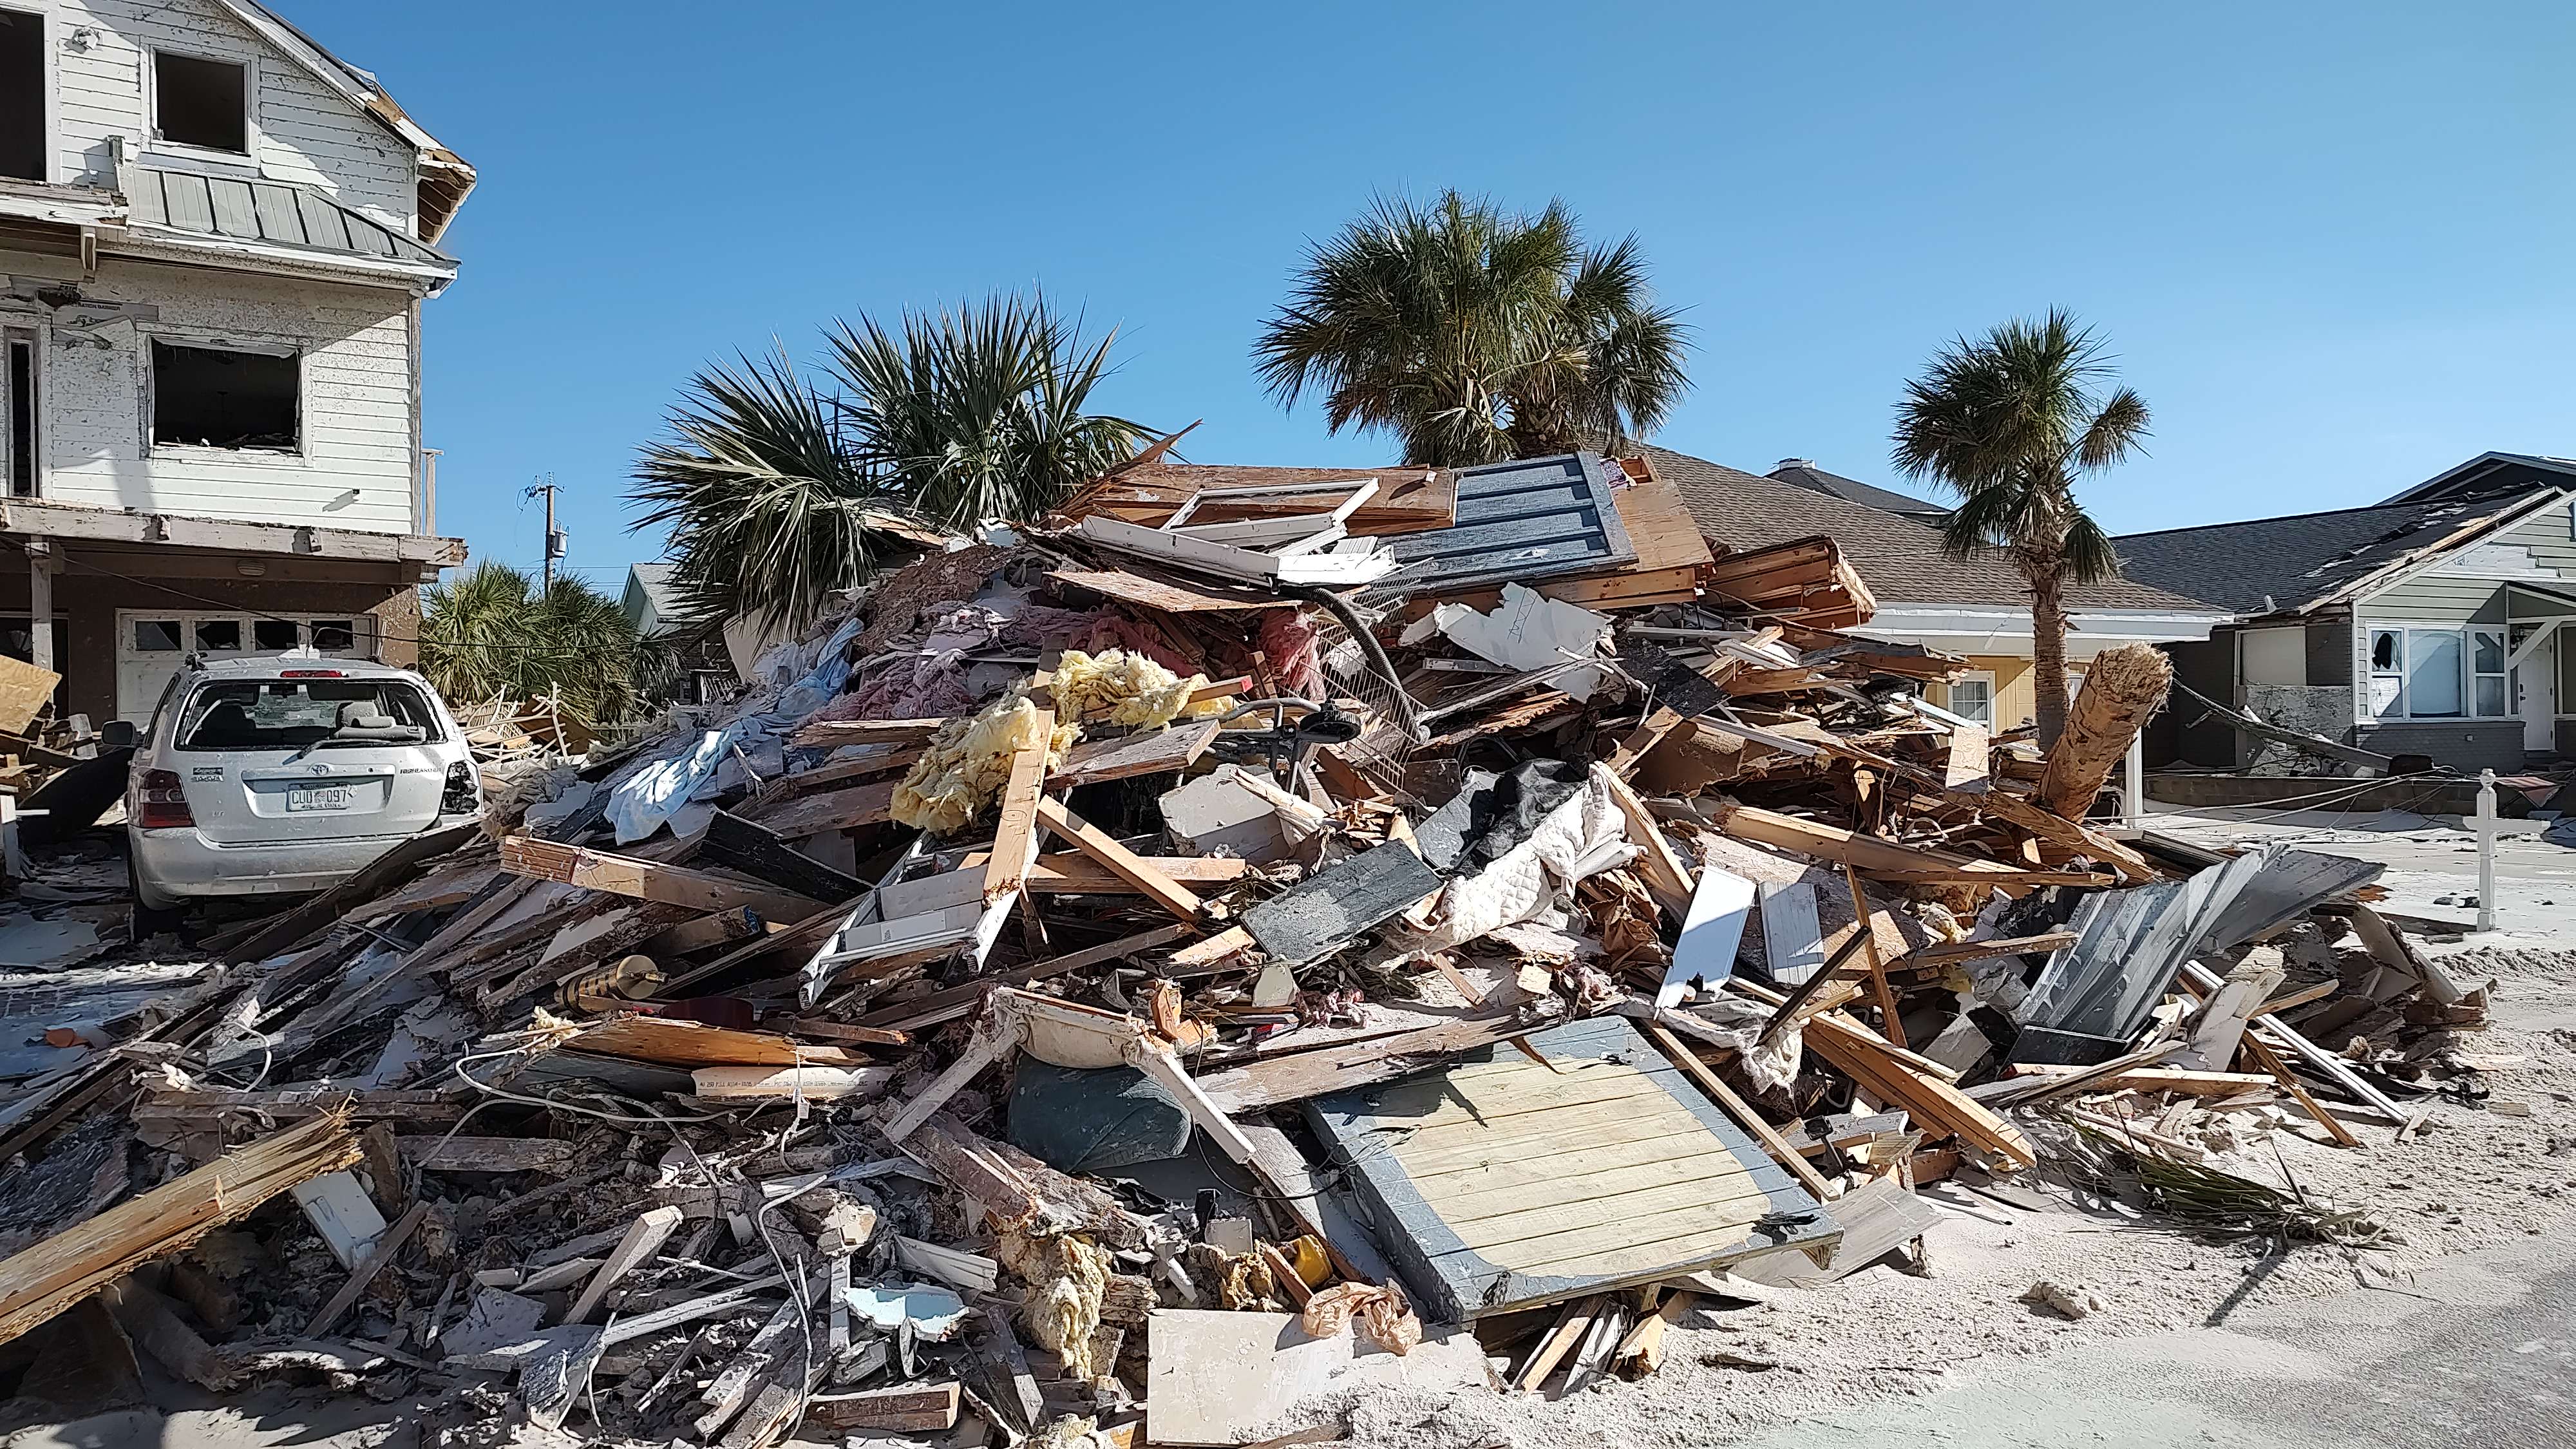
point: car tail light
(159, 802)
(464, 793)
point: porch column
(41, 564)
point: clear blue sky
(2329, 243)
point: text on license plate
(318, 797)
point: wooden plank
(378, 1259)
(1660, 867)
(1966, 771)
(1175, 747)
(646, 880)
(43, 1280)
(487, 1154)
(1889, 1026)
(763, 854)
(961, 1000)
(1890, 1074)
(1741, 1110)
(1015, 837)
(836, 732)
(1281, 1080)
(380, 875)
(1171, 595)
(673, 1042)
(643, 1239)
(1649, 733)
(1878, 859)
(1092, 841)
(1071, 873)
(831, 810)
(904, 1408)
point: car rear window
(289, 714)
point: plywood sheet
(1506, 1183)
(24, 691)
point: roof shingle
(1899, 557)
(2266, 564)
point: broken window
(18, 421)
(2387, 674)
(215, 397)
(156, 636)
(22, 95)
(202, 102)
(218, 634)
(273, 633)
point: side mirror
(118, 734)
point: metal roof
(275, 212)
(1528, 519)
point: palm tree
(770, 480)
(2009, 422)
(493, 633)
(1475, 335)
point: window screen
(213, 398)
(201, 102)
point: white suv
(286, 774)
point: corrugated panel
(279, 221)
(266, 211)
(1530, 519)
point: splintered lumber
(2159, 1079)
(1660, 867)
(1015, 839)
(643, 1239)
(2333, 1067)
(676, 1043)
(831, 810)
(1966, 771)
(2122, 687)
(646, 880)
(290, 928)
(1175, 747)
(1571, 1326)
(1642, 1351)
(1281, 1080)
(1899, 1078)
(378, 1258)
(1867, 932)
(43, 1280)
(836, 732)
(1882, 859)
(1736, 1107)
(1122, 862)
(2271, 1062)
(905, 1408)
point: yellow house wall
(2013, 699)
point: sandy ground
(2476, 1179)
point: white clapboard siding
(303, 130)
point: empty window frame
(201, 102)
(22, 95)
(18, 445)
(2431, 672)
(220, 397)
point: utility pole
(555, 538)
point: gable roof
(2490, 475)
(2295, 563)
(1899, 557)
(445, 177)
(1804, 473)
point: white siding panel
(303, 131)
(356, 470)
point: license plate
(319, 797)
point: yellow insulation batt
(1120, 688)
(968, 762)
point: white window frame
(1973, 676)
(51, 68)
(247, 156)
(295, 352)
(2405, 630)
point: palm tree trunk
(2048, 650)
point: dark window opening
(272, 633)
(334, 634)
(201, 102)
(22, 95)
(18, 445)
(219, 634)
(156, 636)
(217, 399)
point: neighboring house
(2428, 623)
(215, 238)
(652, 608)
(1804, 473)
(1978, 607)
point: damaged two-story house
(215, 239)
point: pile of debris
(1242, 940)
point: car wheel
(150, 913)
